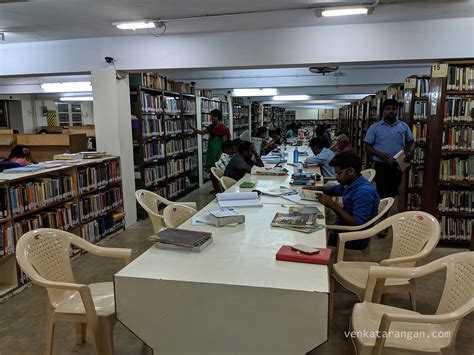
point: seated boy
(360, 198)
(228, 150)
(322, 156)
(241, 163)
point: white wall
(87, 111)
(375, 42)
(27, 111)
(306, 114)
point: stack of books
(301, 222)
(182, 239)
(302, 178)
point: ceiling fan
(325, 70)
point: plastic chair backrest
(218, 173)
(458, 288)
(413, 232)
(227, 182)
(150, 201)
(44, 253)
(369, 174)
(175, 215)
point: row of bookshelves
(456, 201)
(154, 175)
(458, 138)
(460, 168)
(174, 167)
(456, 229)
(40, 193)
(103, 226)
(156, 81)
(459, 109)
(209, 105)
(91, 178)
(94, 205)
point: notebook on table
(287, 254)
(182, 237)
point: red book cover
(287, 254)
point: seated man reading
(360, 198)
(322, 156)
(241, 163)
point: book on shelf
(459, 109)
(238, 199)
(457, 169)
(456, 229)
(456, 201)
(287, 253)
(460, 78)
(7, 240)
(458, 138)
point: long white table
(233, 297)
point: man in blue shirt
(322, 156)
(383, 140)
(361, 200)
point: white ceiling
(44, 20)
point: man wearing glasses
(360, 199)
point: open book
(400, 158)
(238, 199)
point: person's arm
(345, 217)
(327, 190)
(258, 160)
(385, 157)
(409, 146)
(199, 131)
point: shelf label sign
(410, 83)
(439, 70)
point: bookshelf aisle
(84, 198)
(165, 148)
(207, 105)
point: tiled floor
(23, 317)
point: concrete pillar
(113, 129)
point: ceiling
(45, 20)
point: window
(69, 114)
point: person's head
(347, 166)
(216, 116)
(320, 130)
(245, 149)
(18, 151)
(228, 147)
(272, 133)
(278, 132)
(262, 132)
(342, 141)
(317, 144)
(390, 109)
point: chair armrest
(349, 236)
(403, 259)
(37, 279)
(121, 253)
(382, 272)
(336, 227)
(189, 204)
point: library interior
(267, 177)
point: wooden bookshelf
(450, 171)
(62, 207)
(240, 116)
(165, 148)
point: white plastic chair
(384, 206)
(369, 174)
(150, 202)
(175, 215)
(415, 235)
(227, 182)
(43, 255)
(379, 321)
(218, 173)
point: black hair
(217, 113)
(346, 160)
(320, 130)
(237, 141)
(390, 102)
(318, 142)
(227, 145)
(261, 130)
(17, 152)
(244, 146)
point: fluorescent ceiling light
(135, 25)
(73, 86)
(76, 98)
(291, 98)
(344, 12)
(255, 92)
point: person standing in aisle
(218, 134)
(384, 139)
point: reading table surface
(233, 297)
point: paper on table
(238, 199)
(223, 212)
(297, 199)
(400, 158)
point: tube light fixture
(135, 25)
(76, 98)
(290, 98)
(255, 92)
(344, 11)
(73, 86)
